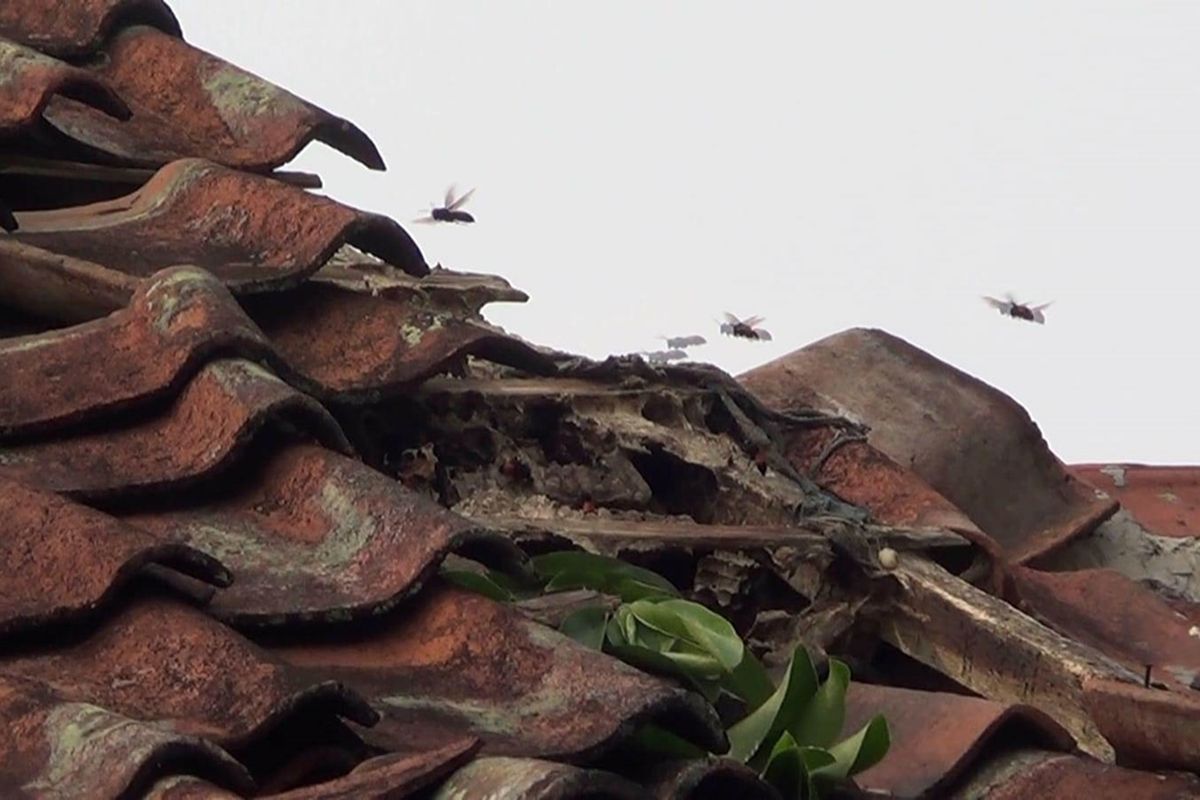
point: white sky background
(644, 166)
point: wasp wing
(449, 196)
(424, 220)
(752, 321)
(762, 334)
(1002, 306)
(458, 203)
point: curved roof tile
(314, 535)
(533, 779)
(201, 434)
(1163, 499)
(972, 443)
(252, 232)
(166, 661)
(209, 109)
(384, 345)
(59, 748)
(72, 28)
(175, 322)
(29, 79)
(458, 664)
(63, 560)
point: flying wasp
(744, 328)
(450, 210)
(1011, 308)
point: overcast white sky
(644, 166)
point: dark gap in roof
(677, 486)
(14, 322)
(675, 564)
(180, 758)
(315, 747)
(892, 667)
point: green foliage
(788, 733)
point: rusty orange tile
(29, 79)
(165, 661)
(937, 737)
(62, 560)
(207, 109)
(51, 746)
(203, 432)
(382, 345)
(1152, 728)
(453, 664)
(1116, 616)
(252, 232)
(72, 28)
(971, 443)
(313, 535)
(174, 323)
(1164, 500)
(1072, 778)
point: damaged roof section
(973, 444)
(29, 80)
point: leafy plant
(789, 732)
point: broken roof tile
(1147, 727)
(29, 79)
(457, 664)
(204, 430)
(163, 660)
(534, 779)
(970, 442)
(389, 777)
(383, 345)
(252, 232)
(1164, 500)
(72, 28)
(207, 109)
(56, 748)
(176, 321)
(63, 560)
(314, 535)
(449, 289)
(937, 736)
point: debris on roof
(243, 427)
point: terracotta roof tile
(29, 79)
(936, 736)
(970, 442)
(57, 748)
(78, 27)
(165, 661)
(212, 421)
(384, 344)
(390, 776)
(1164, 500)
(1071, 778)
(64, 560)
(711, 778)
(61, 289)
(187, 103)
(252, 232)
(458, 664)
(175, 322)
(313, 535)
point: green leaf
(477, 582)
(711, 631)
(631, 589)
(762, 726)
(586, 626)
(821, 721)
(576, 569)
(749, 681)
(785, 771)
(665, 744)
(859, 752)
(814, 760)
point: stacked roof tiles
(242, 425)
